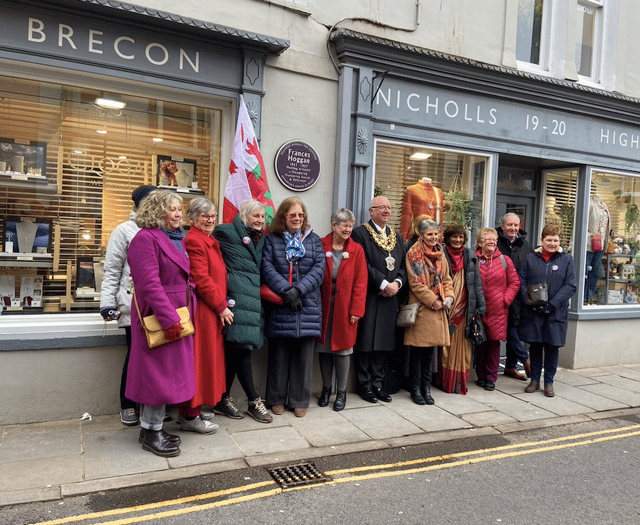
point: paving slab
(379, 422)
(509, 385)
(248, 423)
(509, 405)
(593, 372)
(542, 423)
(17, 497)
(40, 441)
(621, 395)
(446, 435)
(585, 398)
(269, 440)
(621, 382)
(573, 378)
(325, 427)
(626, 371)
(557, 405)
(428, 417)
(205, 448)
(458, 404)
(490, 418)
(41, 473)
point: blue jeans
(515, 349)
(594, 261)
(550, 362)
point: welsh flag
(247, 175)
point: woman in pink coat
(162, 279)
(500, 284)
(344, 294)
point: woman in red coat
(344, 294)
(500, 284)
(210, 276)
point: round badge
(328, 254)
(554, 267)
(246, 240)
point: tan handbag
(407, 315)
(153, 330)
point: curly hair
(154, 208)
(454, 229)
(482, 233)
(279, 223)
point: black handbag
(537, 294)
(478, 334)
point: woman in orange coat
(212, 313)
(344, 294)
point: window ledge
(297, 6)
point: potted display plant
(601, 293)
(631, 217)
(460, 209)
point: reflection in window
(446, 186)
(529, 31)
(586, 38)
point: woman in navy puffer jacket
(292, 267)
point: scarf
(175, 237)
(418, 255)
(295, 249)
(546, 255)
(255, 235)
(457, 258)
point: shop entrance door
(522, 205)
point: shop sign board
(297, 165)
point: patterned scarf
(295, 249)
(418, 255)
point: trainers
(227, 407)
(129, 417)
(258, 411)
(202, 426)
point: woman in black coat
(455, 359)
(545, 327)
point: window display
(68, 166)
(446, 186)
(613, 239)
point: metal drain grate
(297, 475)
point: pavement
(61, 459)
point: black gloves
(547, 309)
(292, 299)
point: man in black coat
(385, 254)
(512, 242)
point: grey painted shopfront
(499, 126)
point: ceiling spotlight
(78, 152)
(157, 139)
(123, 157)
(101, 131)
(110, 101)
(420, 155)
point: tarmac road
(581, 473)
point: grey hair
(342, 215)
(427, 224)
(197, 206)
(247, 208)
(510, 214)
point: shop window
(68, 165)
(447, 186)
(613, 258)
(588, 38)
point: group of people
(335, 296)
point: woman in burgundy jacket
(344, 294)
(500, 284)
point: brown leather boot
(548, 390)
(532, 387)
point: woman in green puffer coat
(241, 245)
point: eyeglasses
(381, 208)
(295, 215)
(205, 217)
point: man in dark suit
(385, 254)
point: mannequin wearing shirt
(600, 224)
(420, 199)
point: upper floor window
(589, 38)
(530, 42)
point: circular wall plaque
(297, 165)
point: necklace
(387, 244)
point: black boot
(415, 355)
(323, 400)
(426, 393)
(341, 400)
(416, 395)
(171, 438)
(157, 444)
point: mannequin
(550, 215)
(600, 224)
(26, 231)
(420, 199)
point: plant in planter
(634, 245)
(601, 293)
(631, 217)
(617, 193)
(460, 209)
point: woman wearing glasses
(500, 284)
(212, 313)
(292, 267)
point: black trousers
(369, 368)
(420, 360)
(125, 402)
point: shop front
(95, 100)
(468, 142)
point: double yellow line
(352, 475)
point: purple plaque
(297, 165)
